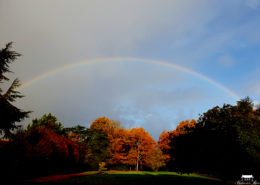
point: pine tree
(9, 114)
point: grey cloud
(120, 91)
(51, 33)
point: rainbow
(127, 59)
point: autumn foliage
(222, 142)
(166, 138)
(141, 144)
(163, 143)
(120, 145)
(39, 151)
(126, 146)
(155, 159)
(41, 143)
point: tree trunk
(137, 162)
(137, 165)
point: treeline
(46, 147)
(223, 142)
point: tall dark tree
(224, 142)
(9, 114)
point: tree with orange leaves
(179, 133)
(126, 147)
(185, 126)
(105, 125)
(117, 137)
(102, 124)
(141, 144)
(163, 144)
(119, 146)
(166, 139)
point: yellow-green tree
(155, 159)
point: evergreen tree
(9, 114)
(48, 121)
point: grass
(132, 178)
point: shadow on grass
(132, 178)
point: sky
(207, 53)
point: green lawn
(132, 178)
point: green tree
(9, 114)
(96, 148)
(48, 121)
(77, 134)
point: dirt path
(59, 177)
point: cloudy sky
(217, 40)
